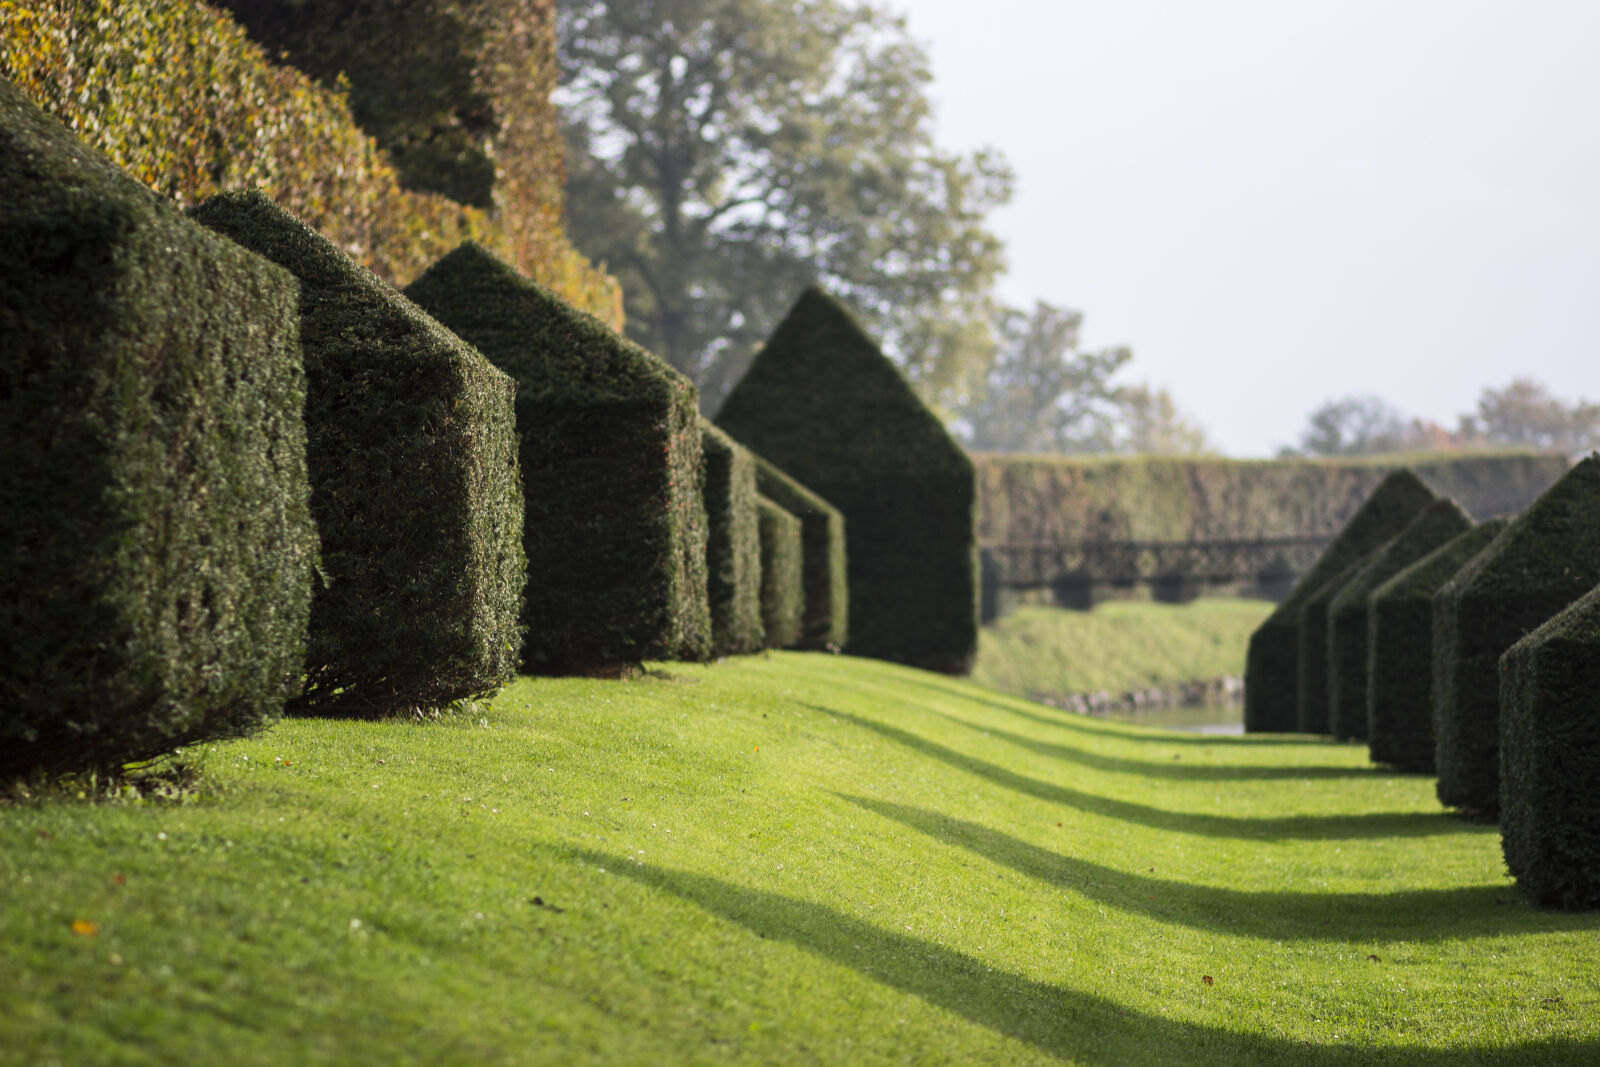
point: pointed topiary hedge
(411, 448)
(1272, 666)
(1313, 679)
(733, 544)
(825, 595)
(156, 545)
(1544, 560)
(1550, 758)
(1347, 652)
(611, 458)
(1400, 651)
(823, 403)
(782, 581)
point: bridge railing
(1042, 564)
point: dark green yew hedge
(824, 618)
(1272, 666)
(733, 544)
(1347, 651)
(1400, 651)
(1550, 758)
(823, 403)
(611, 457)
(1544, 560)
(782, 581)
(412, 454)
(1313, 680)
(156, 545)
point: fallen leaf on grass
(1207, 979)
(1374, 959)
(118, 879)
(85, 928)
(538, 902)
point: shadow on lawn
(1280, 828)
(1408, 915)
(1071, 720)
(1176, 769)
(1057, 1020)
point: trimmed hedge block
(1550, 758)
(1544, 560)
(823, 403)
(1400, 651)
(611, 459)
(411, 448)
(782, 577)
(1347, 651)
(1312, 679)
(733, 544)
(157, 548)
(824, 619)
(1272, 666)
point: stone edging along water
(1226, 691)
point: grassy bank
(793, 859)
(1119, 646)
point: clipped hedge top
(1549, 549)
(1398, 498)
(821, 397)
(549, 346)
(1422, 579)
(1437, 524)
(1577, 624)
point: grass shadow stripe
(1419, 915)
(1243, 827)
(1058, 1020)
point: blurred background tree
(722, 154)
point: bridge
(1175, 570)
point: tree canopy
(723, 154)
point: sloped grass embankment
(791, 859)
(1120, 646)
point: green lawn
(1119, 646)
(794, 859)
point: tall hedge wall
(824, 620)
(411, 447)
(156, 548)
(1027, 499)
(611, 456)
(782, 581)
(823, 403)
(1400, 651)
(177, 93)
(1272, 665)
(733, 544)
(1550, 758)
(1347, 652)
(1545, 559)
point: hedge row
(1546, 558)
(822, 402)
(1400, 651)
(610, 448)
(825, 593)
(1348, 667)
(1273, 663)
(176, 93)
(157, 547)
(411, 450)
(1550, 757)
(782, 575)
(733, 545)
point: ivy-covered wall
(177, 93)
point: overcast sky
(1276, 203)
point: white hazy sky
(1276, 203)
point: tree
(1041, 394)
(1524, 413)
(1151, 424)
(1354, 426)
(723, 154)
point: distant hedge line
(1050, 499)
(175, 92)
